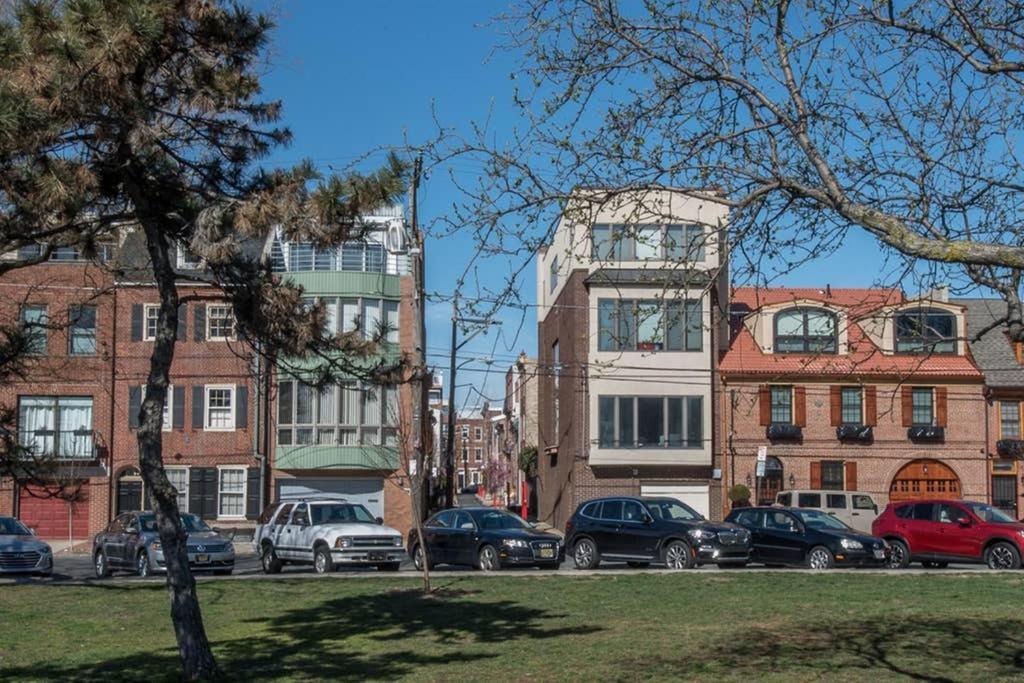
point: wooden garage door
(924, 479)
(53, 518)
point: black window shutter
(136, 322)
(252, 494)
(199, 323)
(182, 314)
(178, 409)
(195, 491)
(134, 405)
(242, 409)
(198, 406)
(210, 493)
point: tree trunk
(194, 649)
(423, 546)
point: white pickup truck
(327, 533)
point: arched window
(925, 330)
(805, 330)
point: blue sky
(356, 76)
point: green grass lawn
(700, 626)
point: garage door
(369, 492)
(53, 518)
(696, 496)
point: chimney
(937, 293)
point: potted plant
(739, 495)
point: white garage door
(696, 496)
(369, 492)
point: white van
(857, 510)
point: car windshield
(500, 520)
(815, 519)
(190, 522)
(340, 513)
(11, 526)
(673, 510)
(987, 513)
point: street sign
(762, 453)
(760, 468)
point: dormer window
(805, 330)
(925, 330)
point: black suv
(644, 530)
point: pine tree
(146, 115)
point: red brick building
(856, 389)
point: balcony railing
(355, 257)
(75, 444)
(926, 433)
(784, 432)
(851, 432)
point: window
(301, 516)
(477, 433)
(231, 494)
(150, 320)
(923, 408)
(611, 242)
(34, 322)
(344, 414)
(808, 500)
(465, 455)
(220, 323)
(478, 454)
(391, 321)
(1009, 419)
(464, 430)
(650, 421)
(618, 242)
(648, 242)
(632, 511)
(750, 518)
(836, 501)
(832, 472)
(785, 498)
(948, 514)
(82, 333)
(904, 511)
(863, 503)
(923, 511)
(220, 408)
(187, 260)
(372, 318)
(782, 405)
(612, 510)
(58, 426)
(282, 515)
(556, 371)
(475, 478)
(805, 330)
(925, 330)
(178, 476)
(851, 405)
(590, 510)
(649, 325)
(685, 242)
(350, 317)
(553, 274)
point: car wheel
(322, 562)
(268, 558)
(585, 554)
(389, 566)
(820, 557)
(678, 556)
(142, 565)
(899, 555)
(100, 566)
(1002, 556)
(487, 559)
(934, 565)
(638, 565)
(417, 559)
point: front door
(955, 539)
(462, 540)
(636, 537)
(287, 541)
(608, 527)
(781, 539)
(1004, 493)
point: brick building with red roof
(851, 389)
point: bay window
(650, 421)
(344, 414)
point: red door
(52, 517)
(956, 539)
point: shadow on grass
(381, 635)
(924, 649)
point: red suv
(937, 532)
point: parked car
(131, 542)
(327, 532)
(640, 531)
(856, 510)
(21, 552)
(485, 538)
(806, 537)
(937, 532)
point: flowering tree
(497, 475)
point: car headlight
(516, 543)
(703, 534)
(851, 544)
(47, 550)
(343, 542)
(397, 541)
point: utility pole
(422, 421)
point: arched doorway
(925, 479)
(129, 490)
(771, 482)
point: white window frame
(183, 507)
(209, 323)
(478, 454)
(478, 433)
(208, 389)
(183, 261)
(168, 407)
(220, 470)
(146, 308)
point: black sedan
(809, 538)
(485, 538)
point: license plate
(547, 552)
(202, 559)
(377, 557)
(879, 554)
